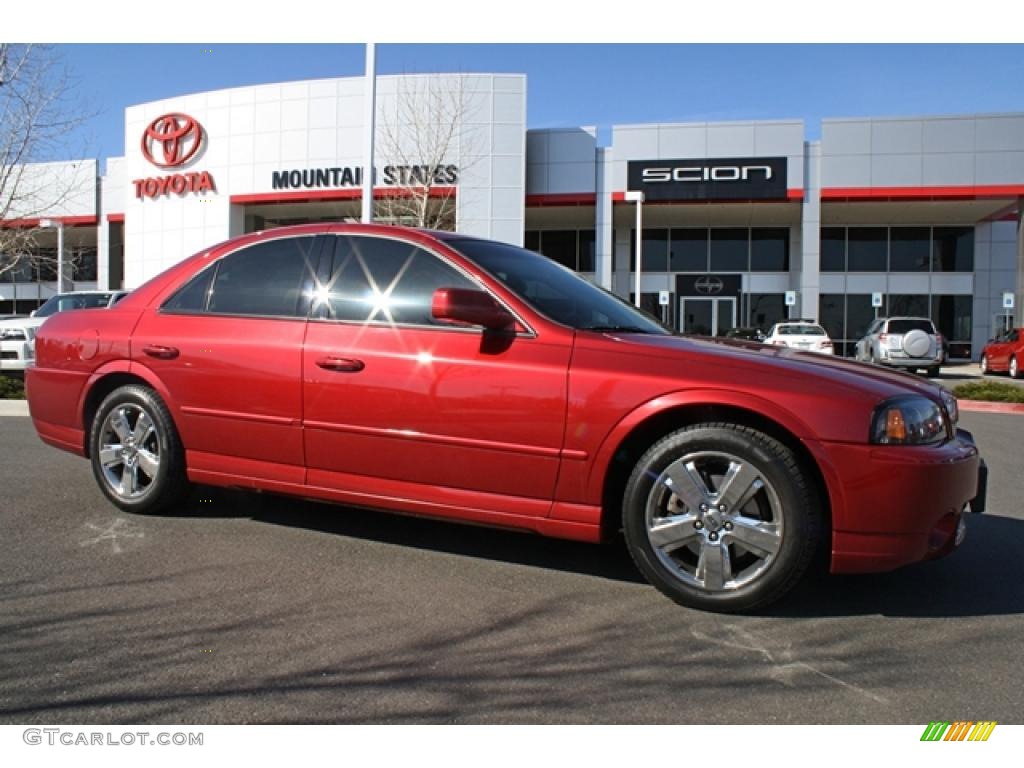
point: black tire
(136, 453)
(1014, 369)
(983, 364)
(932, 373)
(681, 547)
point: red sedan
(443, 375)
(1004, 354)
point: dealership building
(741, 223)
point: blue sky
(583, 84)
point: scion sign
(735, 178)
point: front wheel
(137, 456)
(983, 364)
(721, 517)
(1014, 370)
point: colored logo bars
(961, 730)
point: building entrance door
(707, 317)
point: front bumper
(895, 505)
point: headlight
(952, 408)
(909, 420)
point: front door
(701, 316)
(396, 404)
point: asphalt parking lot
(240, 608)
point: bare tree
(38, 112)
(425, 147)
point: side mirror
(462, 305)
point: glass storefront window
(833, 249)
(730, 250)
(866, 249)
(954, 316)
(587, 256)
(559, 245)
(575, 249)
(909, 249)
(953, 249)
(769, 250)
(908, 305)
(655, 251)
(688, 250)
(831, 314)
(763, 310)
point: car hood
(751, 359)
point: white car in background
(800, 334)
(18, 335)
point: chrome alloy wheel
(129, 451)
(714, 521)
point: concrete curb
(13, 408)
(979, 406)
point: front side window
(379, 280)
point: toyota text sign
(732, 178)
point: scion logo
(172, 140)
(707, 173)
(708, 285)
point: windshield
(63, 303)
(555, 291)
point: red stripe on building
(541, 201)
(325, 195)
(115, 218)
(880, 194)
(67, 221)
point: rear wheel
(137, 456)
(1014, 370)
(932, 373)
(721, 517)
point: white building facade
(744, 223)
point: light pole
(59, 226)
(636, 196)
(369, 126)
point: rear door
(228, 348)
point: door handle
(341, 364)
(161, 352)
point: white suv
(17, 335)
(903, 342)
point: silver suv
(903, 342)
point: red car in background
(1004, 354)
(444, 375)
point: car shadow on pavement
(982, 578)
(977, 580)
(608, 561)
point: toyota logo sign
(172, 140)
(708, 286)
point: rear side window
(271, 279)
(380, 280)
(911, 324)
(801, 330)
